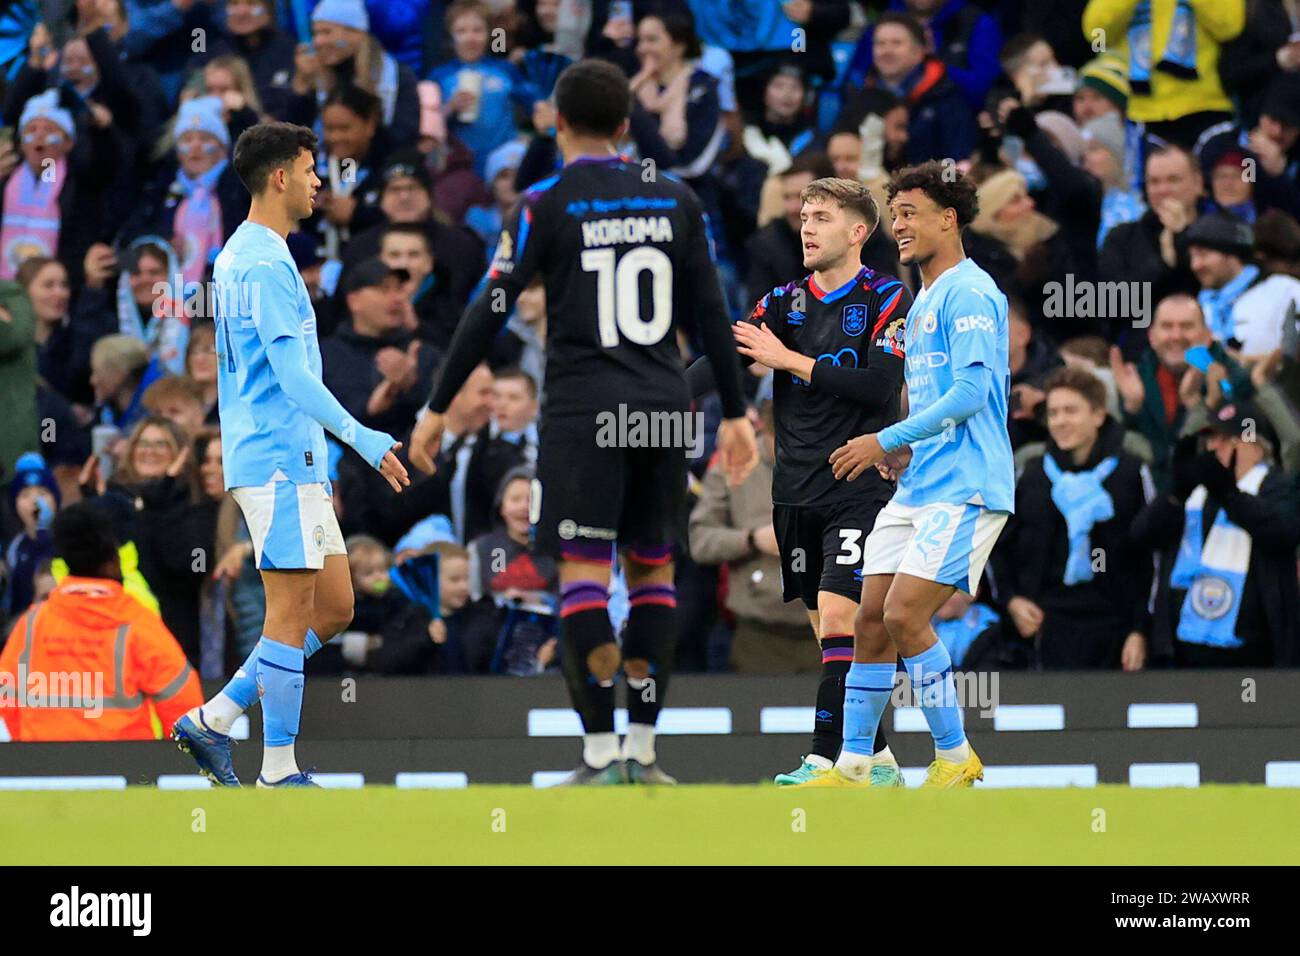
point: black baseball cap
(406, 163)
(1235, 418)
(369, 273)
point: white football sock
(817, 760)
(220, 713)
(640, 744)
(956, 754)
(854, 766)
(278, 763)
(885, 758)
(599, 750)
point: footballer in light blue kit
(952, 458)
(274, 413)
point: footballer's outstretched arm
(276, 322)
(968, 394)
(288, 358)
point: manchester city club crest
(855, 319)
(930, 323)
(318, 536)
(1212, 597)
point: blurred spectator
(1031, 359)
(34, 497)
(524, 342)
(197, 200)
(1152, 392)
(268, 51)
(56, 184)
(343, 53)
(775, 252)
(486, 220)
(1227, 532)
(963, 36)
(940, 123)
(479, 93)
(405, 247)
(1147, 250)
(17, 375)
(514, 411)
(120, 372)
(374, 364)
(353, 151)
(179, 399)
(759, 34)
(63, 346)
(201, 367)
(1266, 156)
(676, 115)
(1277, 243)
(153, 494)
(149, 305)
(117, 659)
(524, 587)
(1071, 577)
(733, 527)
(405, 198)
(1173, 53)
(461, 621)
(389, 634)
(1243, 307)
(783, 131)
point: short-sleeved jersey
(858, 325)
(627, 261)
(960, 320)
(259, 297)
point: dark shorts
(821, 548)
(588, 498)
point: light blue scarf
(1083, 502)
(1213, 574)
(1217, 303)
(1179, 55)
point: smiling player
(835, 342)
(953, 497)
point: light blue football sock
(931, 674)
(279, 676)
(866, 692)
(242, 688)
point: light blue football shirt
(259, 297)
(959, 321)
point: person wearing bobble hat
(54, 186)
(344, 52)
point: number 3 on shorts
(850, 546)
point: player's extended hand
(394, 470)
(894, 463)
(426, 438)
(738, 448)
(760, 343)
(855, 456)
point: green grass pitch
(688, 824)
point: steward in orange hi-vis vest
(92, 663)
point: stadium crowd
(1138, 165)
